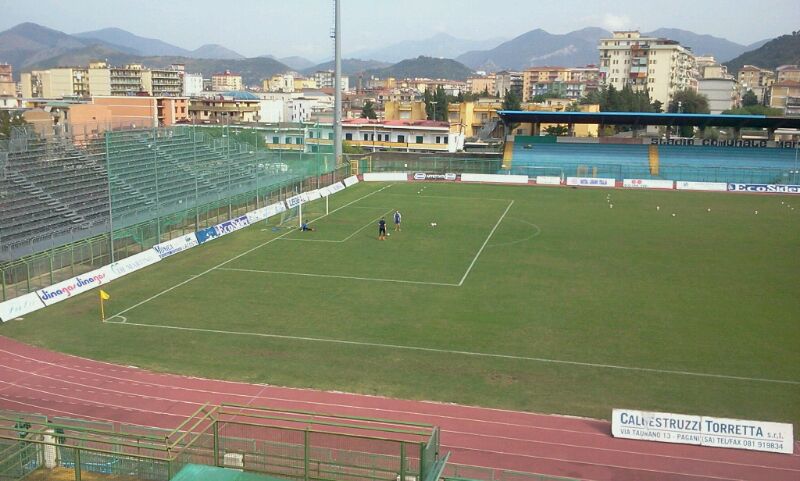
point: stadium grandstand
(654, 155)
(62, 196)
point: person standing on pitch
(397, 218)
(382, 229)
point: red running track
(36, 380)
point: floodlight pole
(337, 85)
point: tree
(557, 130)
(688, 102)
(512, 101)
(749, 99)
(368, 111)
(8, 121)
(436, 104)
(657, 106)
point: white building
(192, 84)
(659, 66)
(402, 135)
(326, 78)
(722, 93)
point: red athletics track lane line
(383, 411)
(503, 439)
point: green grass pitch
(541, 299)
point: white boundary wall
(707, 186)
(648, 184)
(385, 177)
(495, 178)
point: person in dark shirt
(306, 228)
(382, 229)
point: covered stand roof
(645, 118)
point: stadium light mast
(337, 84)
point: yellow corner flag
(103, 297)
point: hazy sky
(302, 27)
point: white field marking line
(590, 463)
(346, 238)
(116, 406)
(447, 197)
(331, 276)
(473, 354)
(241, 255)
(518, 241)
(475, 259)
(369, 408)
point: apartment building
(563, 82)
(226, 81)
(788, 72)
(479, 85)
(402, 135)
(721, 88)
(505, 81)
(279, 83)
(8, 88)
(325, 79)
(233, 107)
(100, 79)
(192, 84)
(758, 80)
(785, 95)
(658, 66)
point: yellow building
(394, 110)
(479, 85)
(468, 118)
(7, 86)
(304, 83)
(225, 81)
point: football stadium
(617, 286)
(191, 292)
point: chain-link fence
(74, 207)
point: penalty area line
(169, 289)
(331, 276)
(468, 353)
(475, 259)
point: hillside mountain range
(784, 50)
(574, 49)
(538, 48)
(350, 66)
(441, 45)
(28, 45)
(424, 67)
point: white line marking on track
(331, 276)
(473, 354)
(258, 395)
(240, 255)
(475, 259)
(115, 406)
